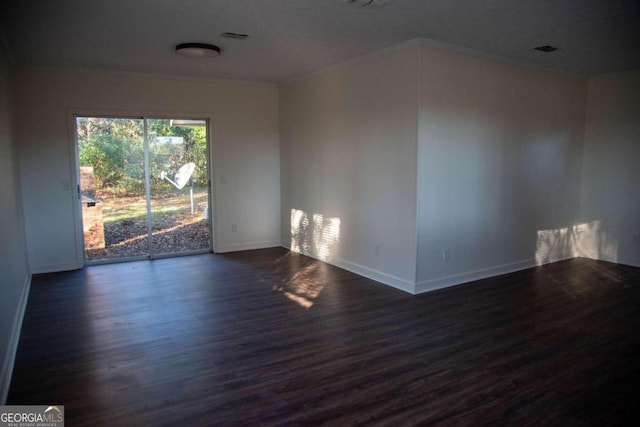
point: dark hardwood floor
(273, 338)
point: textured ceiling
(292, 38)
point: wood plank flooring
(274, 338)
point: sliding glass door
(143, 187)
(179, 191)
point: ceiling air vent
(546, 48)
(366, 4)
(236, 36)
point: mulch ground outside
(171, 234)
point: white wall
(244, 134)
(610, 211)
(14, 270)
(386, 162)
(500, 166)
(348, 153)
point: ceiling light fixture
(197, 50)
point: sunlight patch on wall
(554, 245)
(595, 242)
(314, 235)
(588, 240)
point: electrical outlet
(446, 255)
(376, 250)
(234, 227)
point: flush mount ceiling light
(198, 50)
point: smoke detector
(546, 48)
(236, 36)
(366, 4)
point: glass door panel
(179, 196)
(143, 187)
(112, 188)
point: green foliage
(115, 150)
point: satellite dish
(182, 176)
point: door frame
(74, 156)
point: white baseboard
(369, 273)
(53, 268)
(12, 347)
(554, 260)
(378, 276)
(248, 246)
(624, 260)
(459, 279)
(627, 260)
(448, 281)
